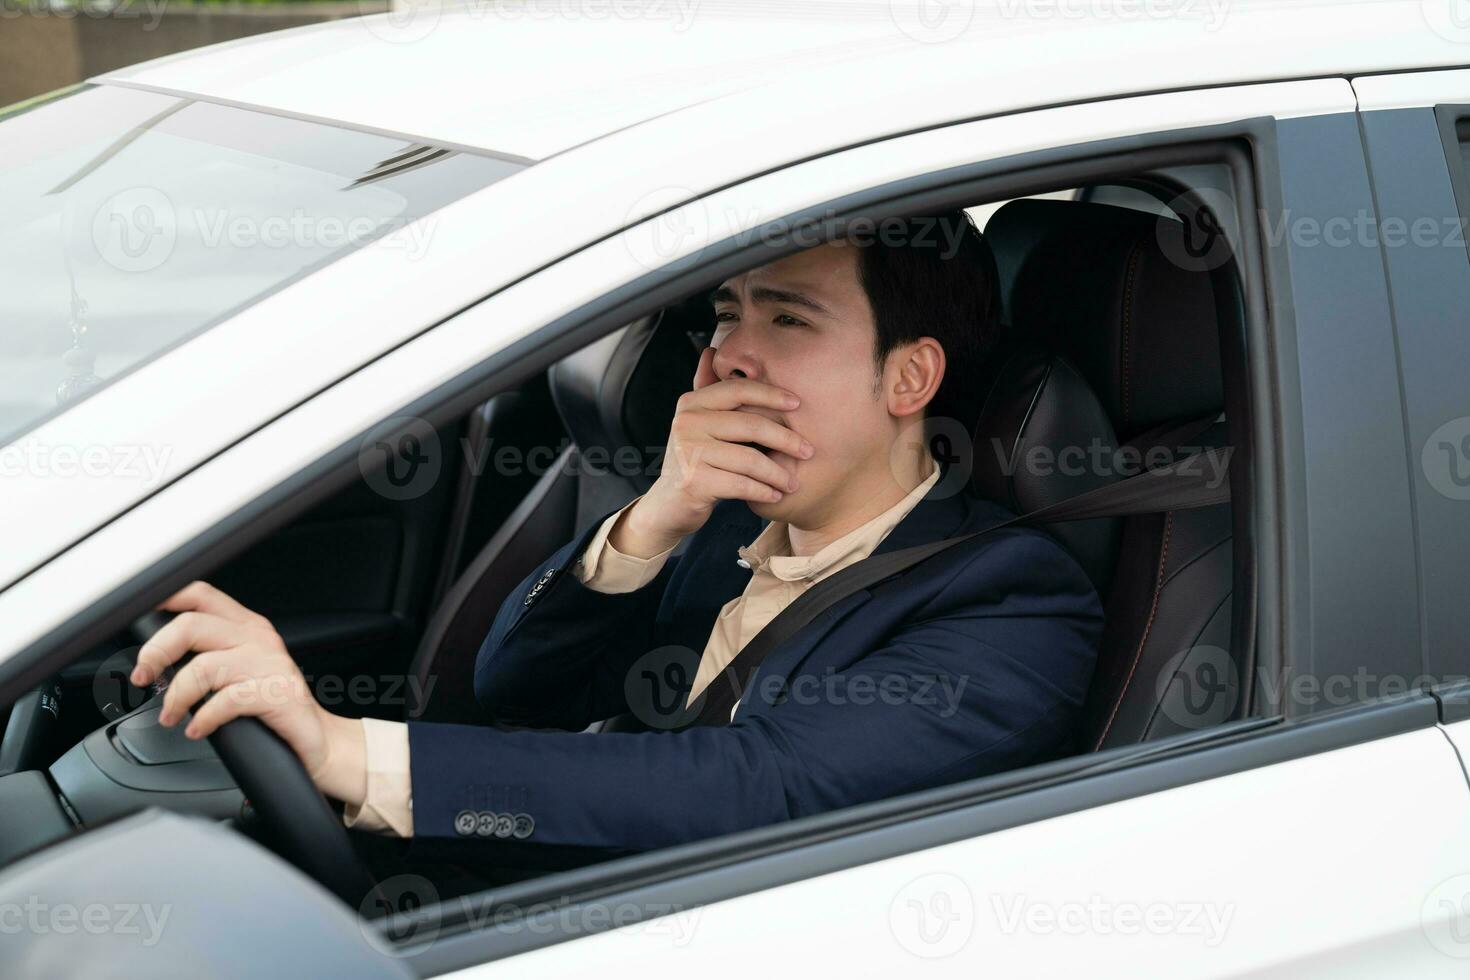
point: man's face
(804, 323)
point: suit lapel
(934, 518)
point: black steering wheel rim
(303, 827)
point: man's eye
(720, 317)
(786, 320)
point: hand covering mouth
(762, 449)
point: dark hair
(933, 276)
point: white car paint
(1265, 873)
(501, 77)
(1412, 89)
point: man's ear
(913, 374)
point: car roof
(533, 78)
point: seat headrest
(1096, 283)
(1042, 436)
(621, 391)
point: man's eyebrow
(765, 294)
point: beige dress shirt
(777, 578)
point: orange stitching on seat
(1147, 628)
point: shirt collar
(771, 549)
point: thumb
(704, 375)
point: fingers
(203, 597)
(209, 671)
(228, 705)
(734, 392)
(248, 679)
(704, 375)
(749, 427)
(187, 631)
(724, 485)
(740, 460)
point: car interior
(1108, 341)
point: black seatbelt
(1191, 482)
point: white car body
(653, 137)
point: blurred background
(48, 44)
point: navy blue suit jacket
(974, 662)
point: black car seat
(617, 442)
(1094, 284)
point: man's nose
(735, 359)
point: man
(805, 414)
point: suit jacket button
(504, 825)
(540, 584)
(464, 822)
(485, 826)
(524, 826)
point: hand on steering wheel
(243, 675)
(242, 661)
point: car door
(1416, 129)
(1269, 850)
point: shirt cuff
(388, 806)
(603, 568)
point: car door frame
(1410, 135)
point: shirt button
(743, 563)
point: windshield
(131, 220)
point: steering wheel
(299, 822)
(302, 825)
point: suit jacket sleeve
(989, 675)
